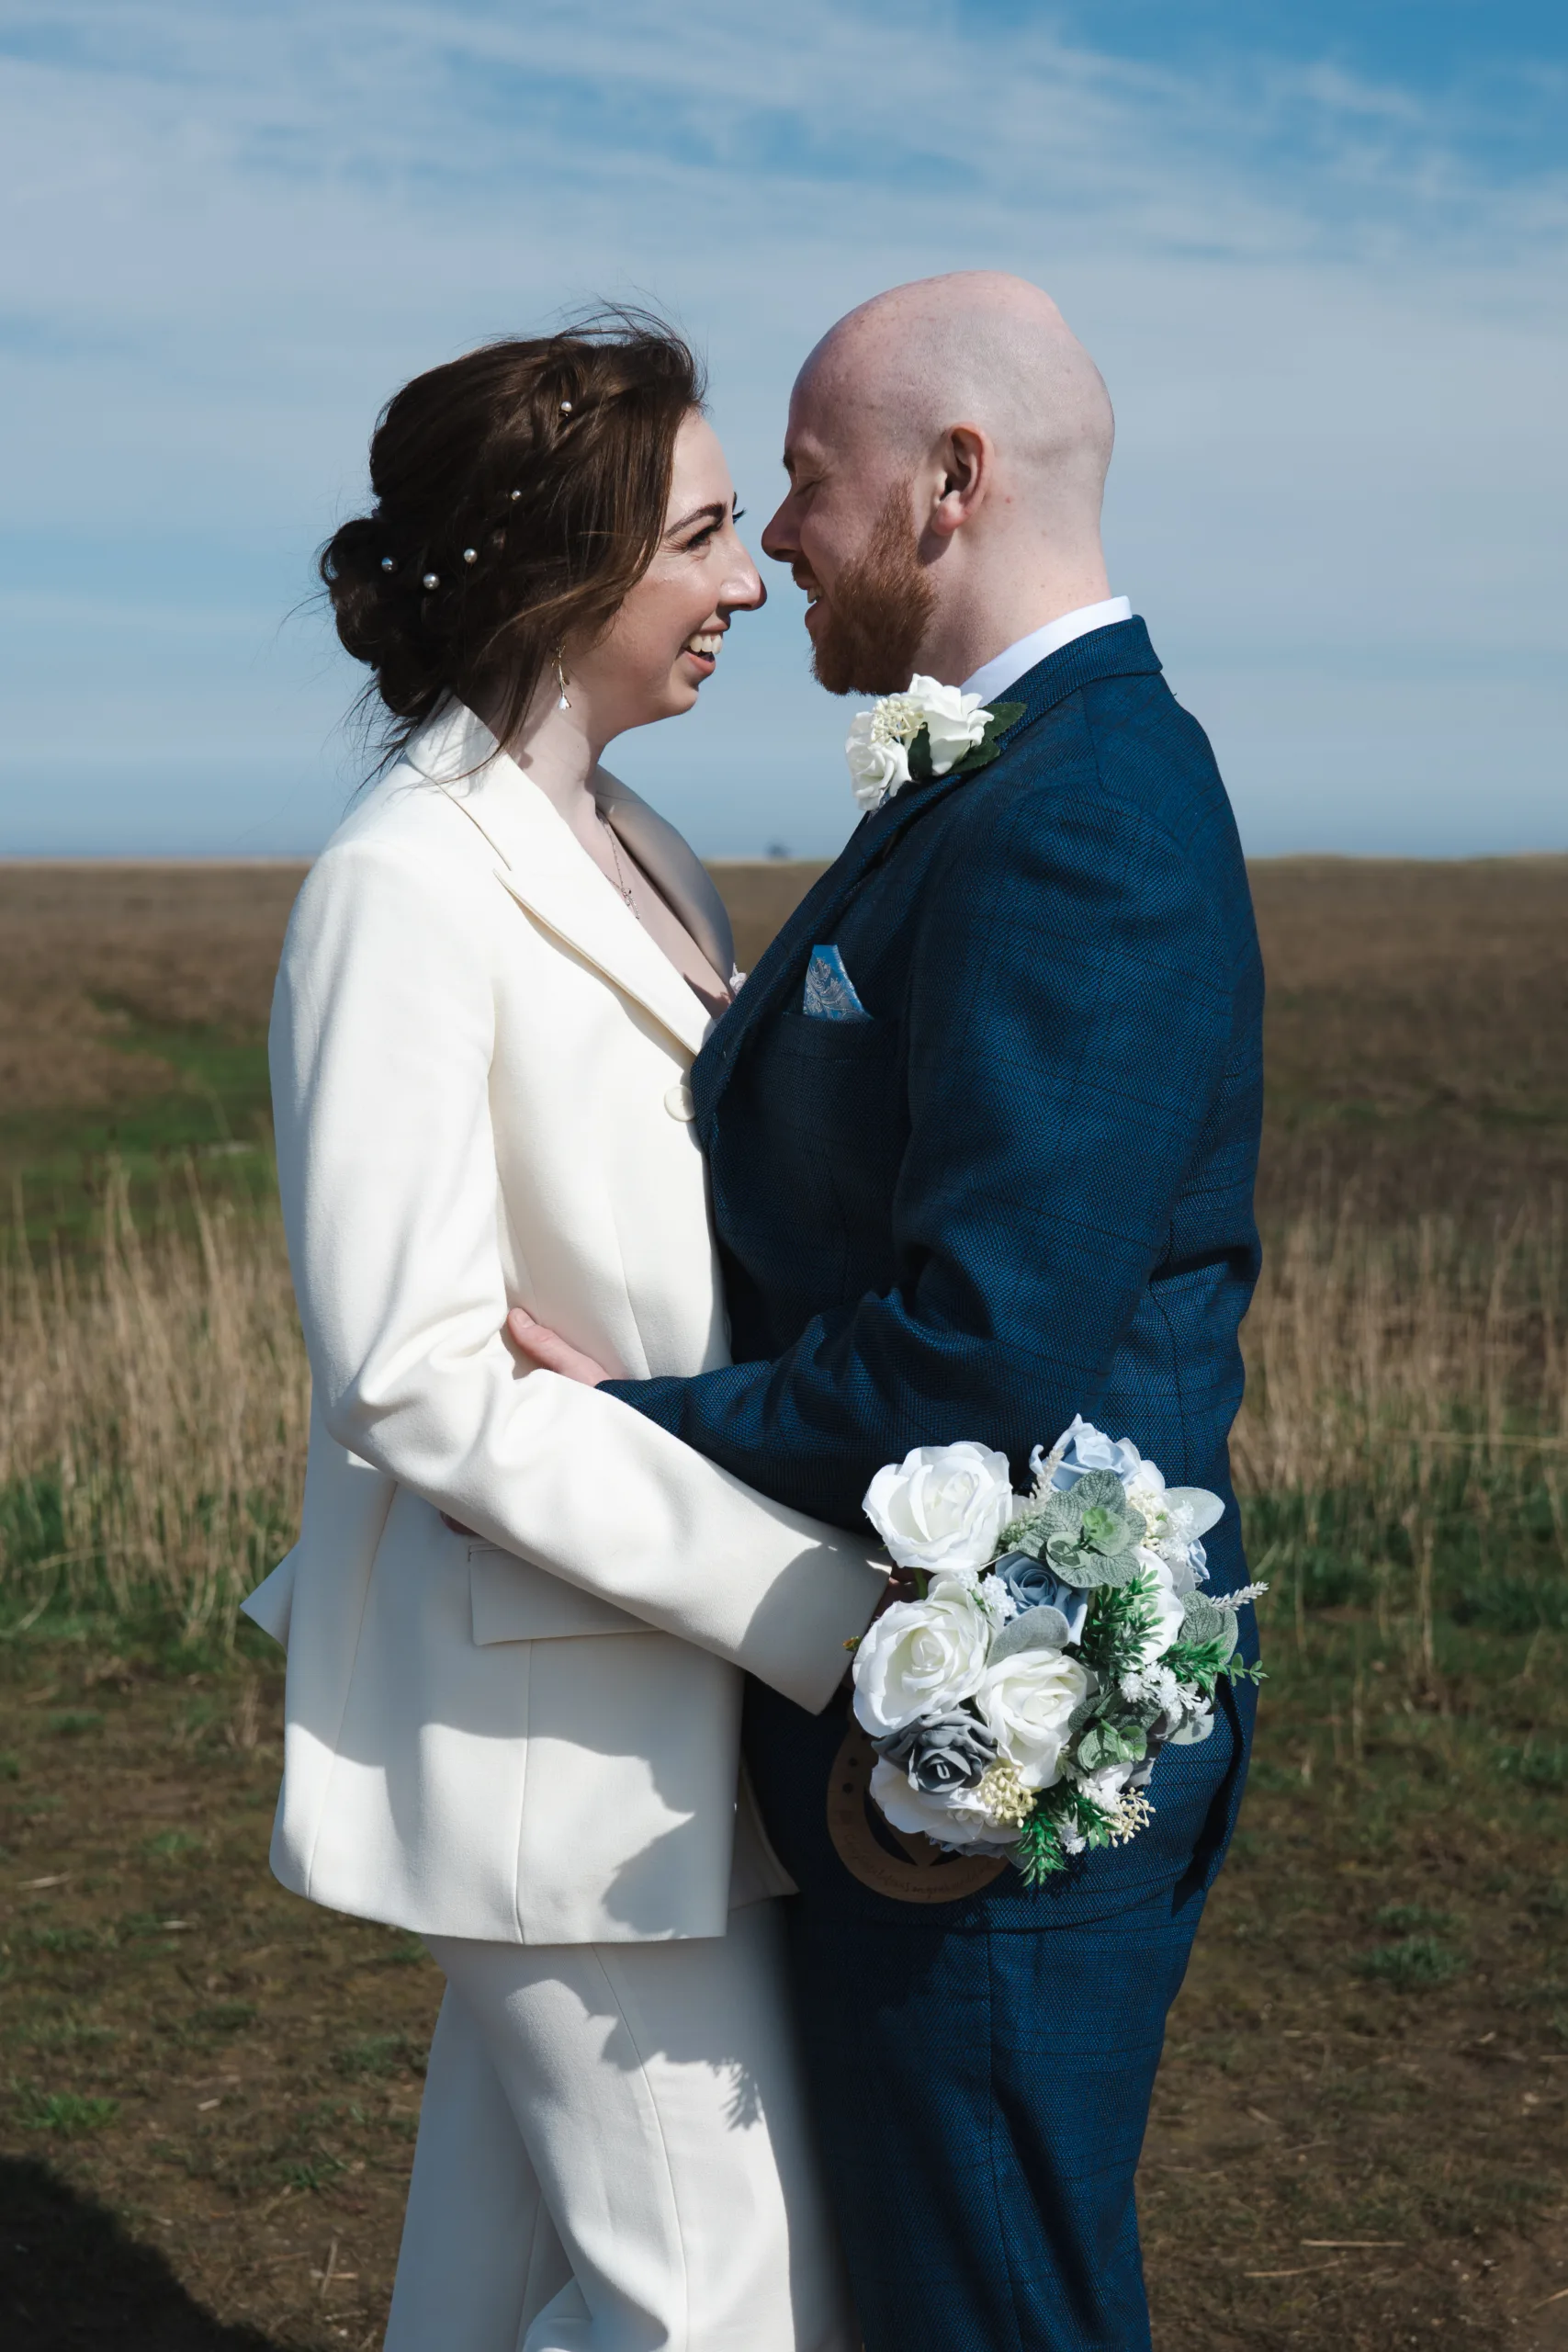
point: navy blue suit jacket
(1022, 1188)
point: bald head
(947, 449)
(975, 347)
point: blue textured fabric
(1021, 1188)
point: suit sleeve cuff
(657, 1400)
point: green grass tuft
(1543, 1767)
(64, 2112)
(1403, 1919)
(379, 2055)
(1413, 1965)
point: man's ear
(964, 468)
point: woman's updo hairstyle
(520, 493)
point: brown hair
(520, 493)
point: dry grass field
(208, 2090)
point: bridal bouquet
(1059, 1640)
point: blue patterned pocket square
(829, 991)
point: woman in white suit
(518, 1613)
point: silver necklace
(622, 883)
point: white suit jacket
(479, 1065)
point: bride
(519, 1613)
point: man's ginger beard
(871, 627)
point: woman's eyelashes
(708, 533)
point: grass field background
(208, 2090)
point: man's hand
(550, 1351)
(900, 1586)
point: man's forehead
(819, 424)
(805, 442)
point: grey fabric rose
(951, 1753)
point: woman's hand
(550, 1351)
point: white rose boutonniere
(878, 764)
(928, 731)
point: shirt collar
(993, 677)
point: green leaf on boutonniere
(988, 749)
(979, 756)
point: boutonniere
(932, 730)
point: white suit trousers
(613, 2156)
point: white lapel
(546, 869)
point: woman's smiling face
(665, 640)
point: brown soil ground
(213, 2087)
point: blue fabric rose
(1032, 1584)
(1085, 1448)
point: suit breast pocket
(809, 1037)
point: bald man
(983, 1128)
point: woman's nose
(743, 591)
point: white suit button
(679, 1103)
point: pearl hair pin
(433, 580)
(470, 555)
(516, 494)
(566, 408)
(388, 563)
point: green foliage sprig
(1203, 1663)
(1040, 1852)
(1120, 1621)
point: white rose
(1166, 1602)
(954, 721)
(877, 766)
(1028, 1700)
(920, 1656)
(943, 1506)
(957, 1820)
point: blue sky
(1319, 253)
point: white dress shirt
(993, 677)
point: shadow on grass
(71, 2280)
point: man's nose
(780, 539)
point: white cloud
(1335, 343)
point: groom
(983, 1127)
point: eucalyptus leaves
(1059, 1642)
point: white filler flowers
(1059, 1640)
